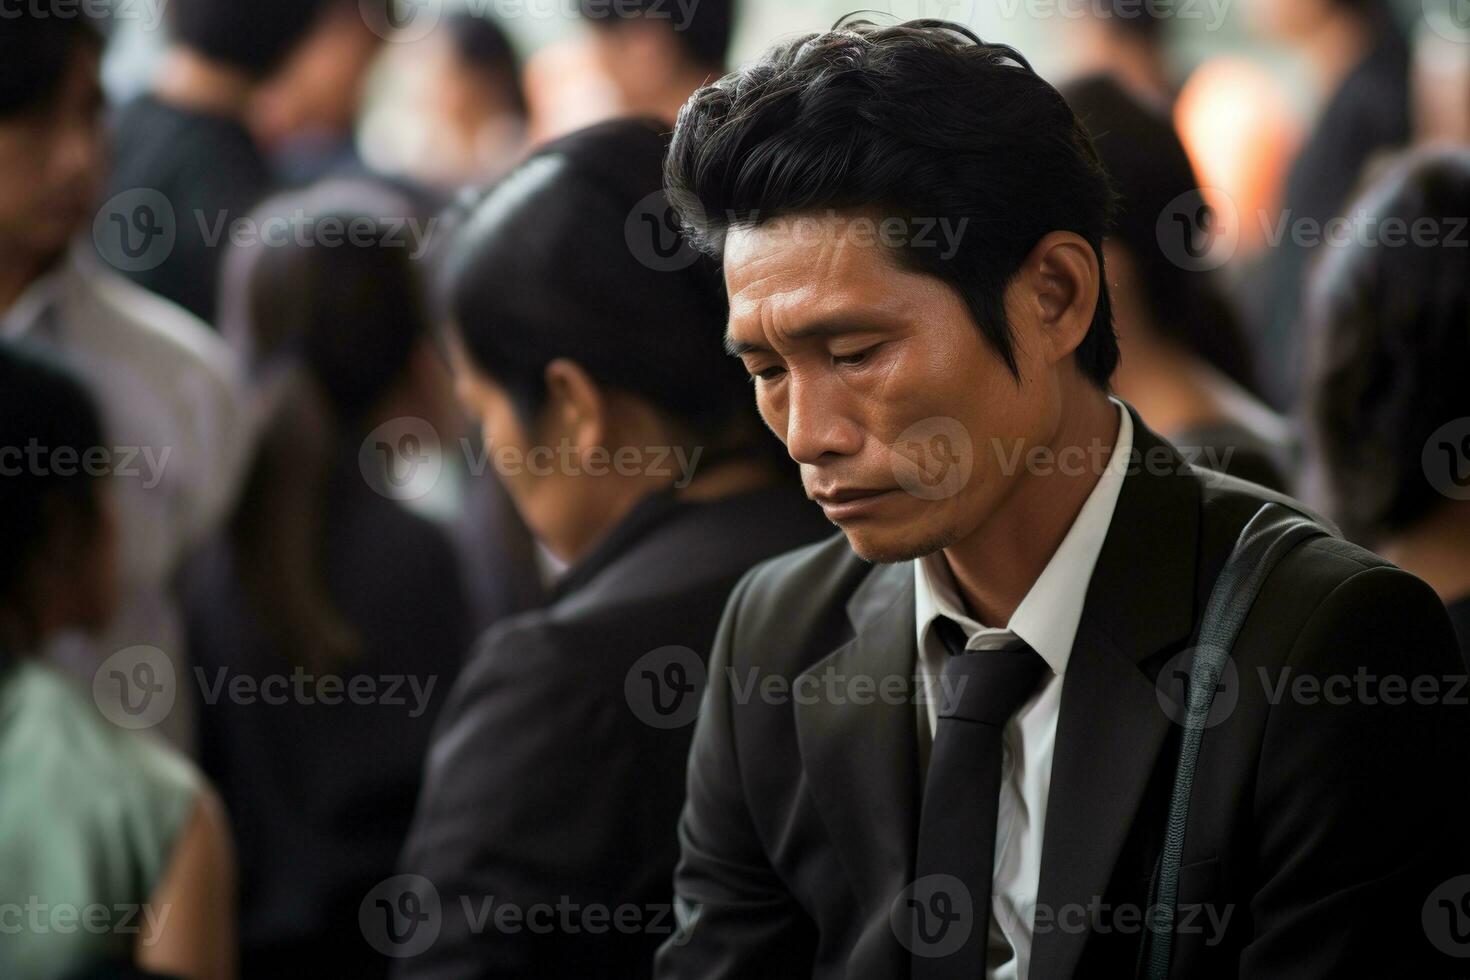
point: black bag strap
(1271, 533)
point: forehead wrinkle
(788, 284)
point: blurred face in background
(1288, 20)
(542, 463)
(51, 163)
(319, 88)
(642, 60)
(881, 386)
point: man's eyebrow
(817, 328)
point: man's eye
(769, 373)
(854, 358)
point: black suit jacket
(552, 791)
(1319, 828)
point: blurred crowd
(288, 607)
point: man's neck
(188, 80)
(997, 565)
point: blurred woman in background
(1185, 365)
(588, 339)
(1388, 403)
(93, 817)
(457, 112)
(326, 579)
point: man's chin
(886, 546)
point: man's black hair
(252, 35)
(921, 120)
(35, 51)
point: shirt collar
(37, 303)
(1047, 617)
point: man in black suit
(942, 744)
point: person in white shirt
(172, 404)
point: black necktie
(979, 691)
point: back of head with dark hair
(251, 35)
(336, 295)
(339, 293)
(921, 120)
(555, 262)
(1390, 333)
(1151, 172)
(49, 428)
(703, 29)
(482, 45)
(35, 51)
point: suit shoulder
(784, 602)
(818, 573)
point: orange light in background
(1233, 119)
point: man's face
(51, 162)
(878, 381)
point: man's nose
(818, 422)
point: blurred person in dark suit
(657, 53)
(1185, 363)
(1022, 574)
(1358, 63)
(325, 585)
(588, 342)
(115, 852)
(305, 115)
(188, 138)
(1387, 405)
(167, 386)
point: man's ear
(575, 406)
(1063, 280)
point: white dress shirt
(1047, 621)
(171, 400)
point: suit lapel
(860, 754)
(1111, 730)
